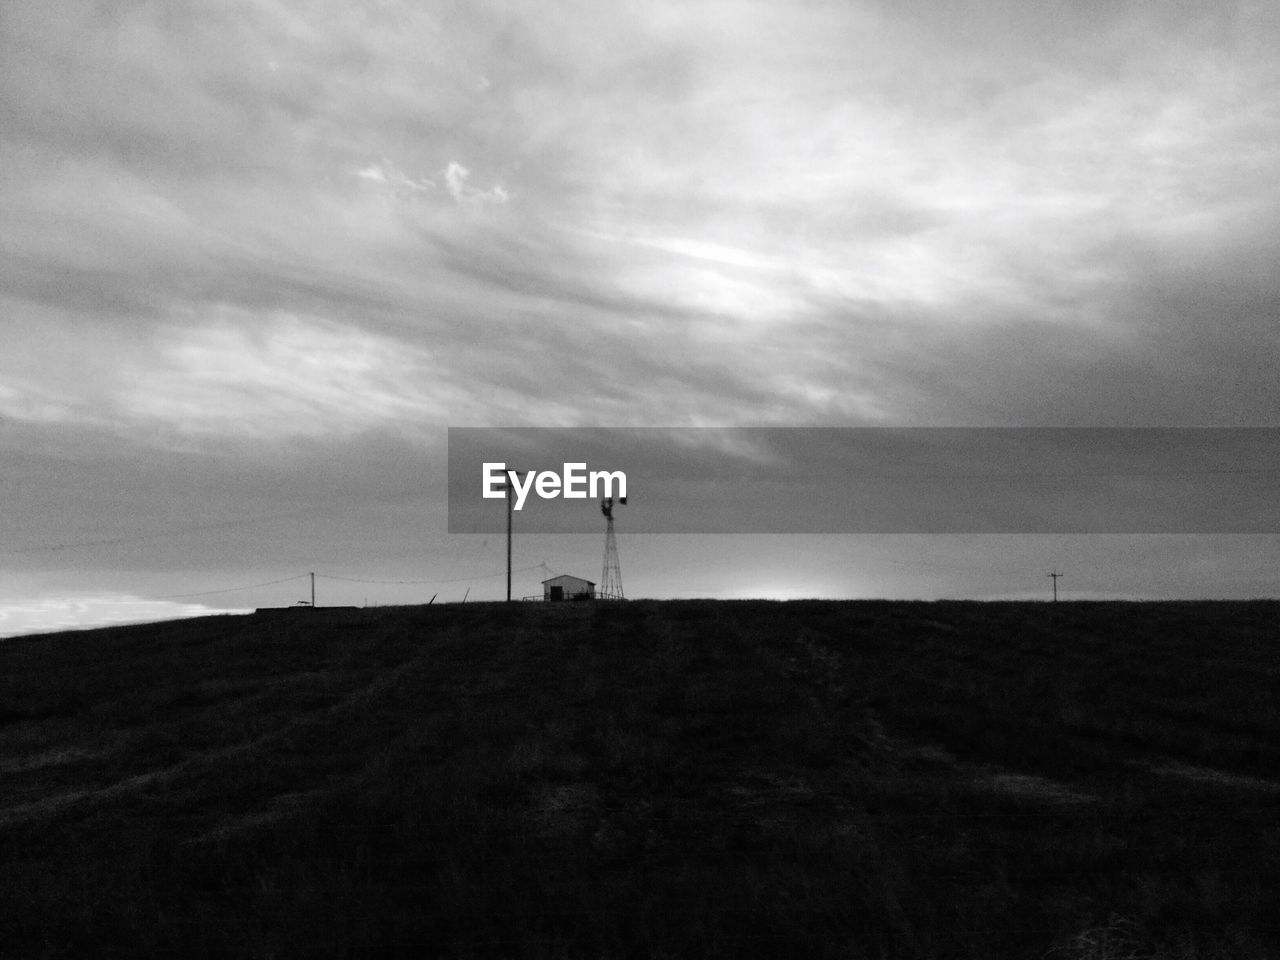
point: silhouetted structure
(611, 575)
(568, 587)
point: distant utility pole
(1055, 575)
(313, 591)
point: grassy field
(1076, 781)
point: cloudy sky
(257, 255)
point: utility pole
(313, 591)
(509, 487)
(508, 539)
(1055, 575)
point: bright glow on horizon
(56, 614)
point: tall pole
(313, 591)
(1055, 575)
(508, 538)
(510, 471)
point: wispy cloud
(456, 176)
(279, 375)
(712, 179)
(386, 174)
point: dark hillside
(649, 779)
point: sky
(257, 256)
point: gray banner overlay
(880, 479)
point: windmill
(611, 576)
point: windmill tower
(611, 576)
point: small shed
(567, 587)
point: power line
(231, 589)
(330, 576)
(484, 576)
